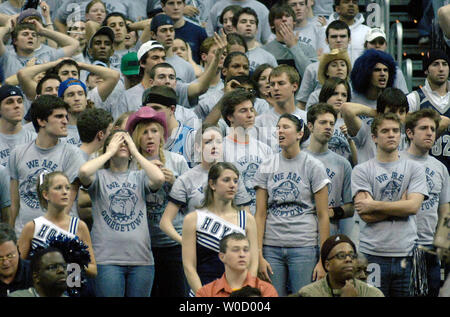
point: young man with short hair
(246, 23)
(152, 53)
(284, 81)
(388, 192)
(321, 120)
(309, 32)
(358, 118)
(348, 11)
(162, 31)
(214, 25)
(234, 252)
(25, 40)
(239, 147)
(181, 140)
(435, 94)
(337, 37)
(191, 33)
(45, 154)
(421, 128)
(286, 48)
(12, 112)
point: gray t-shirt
(188, 191)
(309, 82)
(72, 136)
(185, 72)
(120, 233)
(246, 157)
(77, 8)
(110, 104)
(213, 24)
(259, 56)
(12, 63)
(27, 162)
(210, 99)
(291, 185)
(157, 202)
(395, 236)
(5, 198)
(267, 121)
(9, 141)
(339, 171)
(438, 183)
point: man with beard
(321, 119)
(338, 254)
(388, 192)
(435, 94)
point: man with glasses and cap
(15, 273)
(339, 256)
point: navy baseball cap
(160, 19)
(8, 91)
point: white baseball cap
(372, 34)
(148, 46)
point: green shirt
(321, 288)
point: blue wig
(364, 65)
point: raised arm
(154, 173)
(350, 113)
(25, 77)
(88, 169)
(110, 78)
(6, 29)
(200, 86)
(68, 44)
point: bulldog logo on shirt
(390, 191)
(28, 190)
(122, 205)
(286, 192)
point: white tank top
(44, 231)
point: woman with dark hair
(226, 18)
(335, 91)
(205, 227)
(291, 211)
(120, 234)
(261, 76)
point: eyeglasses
(56, 266)
(344, 255)
(8, 257)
